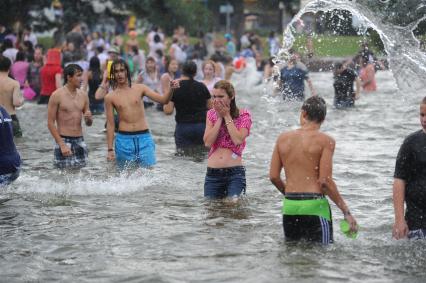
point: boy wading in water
(133, 141)
(67, 107)
(306, 155)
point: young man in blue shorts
(133, 141)
(306, 155)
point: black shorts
(310, 228)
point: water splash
(393, 20)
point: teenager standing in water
(227, 128)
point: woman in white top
(171, 67)
(150, 78)
(209, 72)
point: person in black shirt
(410, 184)
(191, 100)
(10, 161)
(344, 78)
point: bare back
(9, 89)
(129, 106)
(69, 111)
(300, 152)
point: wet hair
(189, 69)
(230, 91)
(424, 100)
(7, 43)
(71, 70)
(112, 80)
(94, 64)
(168, 60)
(315, 108)
(337, 68)
(4, 64)
(135, 50)
(20, 56)
(159, 53)
(157, 38)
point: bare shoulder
(57, 94)
(14, 83)
(327, 140)
(285, 136)
(110, 96)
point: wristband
(110, 149)
(227, 123)
(346, 213)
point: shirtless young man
(133, 141)
(67, 106)
(306, 155)
(10, 94)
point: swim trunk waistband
(303, 196)
(317, 206)
(71, 138)
(146, 131)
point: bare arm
(103, 87)
(400, 228)
(357, 87)
(52, 109)
(327, 183)
(275, 170)
(88, 119)
(85, 83)
(58, 81)
(237, 135)
(311, 87)
(211, 132)
(109, 110)
(17, 98)
(163, 99)
(168, 108)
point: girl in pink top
(19, 69)
(226, 130)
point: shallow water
(154, 226)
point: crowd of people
(87, 75)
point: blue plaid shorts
(78, 157)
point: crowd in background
(39, 68)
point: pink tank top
(223, 138)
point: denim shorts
(225, 182)
(189, 134)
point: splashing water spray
(393, 20)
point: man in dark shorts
(10, 160)
(344, 78)
(306, 155)
(409, 184)
(67, 106)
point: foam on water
(79, 183)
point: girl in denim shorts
(226, 130)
